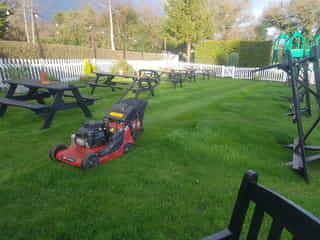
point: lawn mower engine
(99, 141)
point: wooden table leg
(81, 102)
(33, 93)
(56, 105)
(94, 87)
(9, 94)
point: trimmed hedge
(12, 49)
(251, 53)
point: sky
(56, 5)
(257, 6)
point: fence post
(233, 72)
(222, 71)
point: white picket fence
(71, 69)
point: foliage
(12, 49)
(127, 20)
(233, 59)
(187, 22)
(134, 28)
(251, 53)
(293, 15)
(3, 19)
(228, 16)
(255, 53)
(215, 52)
(261, 31)
(89, 68)
(122, 67)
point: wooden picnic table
(178, 76)
(138, 84)
(108, 82)
(39, 92)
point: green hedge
(251, 53)
(12, 49)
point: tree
(127, 21)
(188, 21)
(293, 15)
(149, 34)
(111, 25)
(76, 27)
(229, 18)
(4, 14)
(261, 32)
(277, 16)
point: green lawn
(179, 182)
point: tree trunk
(188, 51)
(37, 37)
(111, 26)
(125, 48)
(25, 20)
(32, 22)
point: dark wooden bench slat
(255, 223)
(100, 85)
(285, 214)
(123, 83)
(223, 235)
(117, 87)
(291, 215)
(136, 90)
(85, 97)
(18, 103)
(275, 231)
(113, 85)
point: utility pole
(111, 26)
(32, 22)
(25, 20)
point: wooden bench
(99, 84)
(88, 98)
(19, 103)
(284, 213)
(113, 86)
(171, 77)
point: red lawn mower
(99, 141)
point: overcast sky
(56, 5)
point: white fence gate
(71, 69)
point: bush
(233, 59)
(89, 68)
(251, 53)
(255, 53)
(122, 67)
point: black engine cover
(91, 134)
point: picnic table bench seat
(109, 84)
(24, 104)
(93, 84)
(88, 98)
